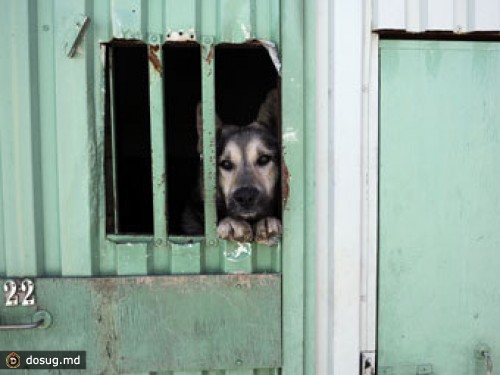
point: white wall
(436, 15)
(347, 158)
(342, 33)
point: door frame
(347, 74)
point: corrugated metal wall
(459, 16)
(44, 147)
(52, 138)
(50, 103)
(347, 148)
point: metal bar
(112, 112)
(209, 156)
(81, 24)
(48, 140)
(75, 147)
(294, 241)
(127, 238)
(21, 326)
(309, 186)
(41, 319)
(158, 147)
(369, 224)
(20, 142)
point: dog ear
(199, 126)
(268, 111)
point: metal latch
(368, 363)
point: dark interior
(134, 193)
(182, 78)
(243, 76)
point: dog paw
(267, 231)
(234, 230)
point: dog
(248, 179)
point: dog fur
(248, 179)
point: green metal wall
(439, 207)
(52, 208)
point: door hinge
(368, 366)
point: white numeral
(28, 287)
(11, 298)
(25, 294)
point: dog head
(248, 165)
(248, 171)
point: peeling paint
(210, 56)
(290, 136)
(247, 34)
(273, 53)
(241, 252)
(103, 54)
(181, 35)
(161, 181)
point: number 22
(12, 295)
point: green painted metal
(439, 206)
(310, 167)
(158, 149)
(112, 122)
(225, 20)
(212, 252)
(293, 120)
(185, 258)
(52, 209)
(76, 175)
(190, 322)
(48, 151)
(20, 165)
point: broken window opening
(129, 204)
(247, 90)
(244, 76)
(182, 90)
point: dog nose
(246, 196)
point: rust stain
(104, 291)
(153, 58)
(162, 180)
(285, 182)
(210, 56)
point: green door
(156, 301)
(439, 218)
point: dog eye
(226, 164)
(263, 160)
